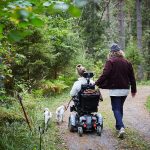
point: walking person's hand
(133, 94)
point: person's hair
(116, 54)
(80, 69)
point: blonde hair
(116, 54)
(80, 69)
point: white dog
(47, 117)
(60, 113)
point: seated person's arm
(74, 90)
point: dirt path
(135, 116)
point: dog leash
(68, 104)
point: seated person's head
(80, 70)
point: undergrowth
(144, 82)
(14, 131)
(15, 134)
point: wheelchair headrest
(88, 75)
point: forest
(42, 41)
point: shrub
(52, 87)
(67, 79)
(144, 82)
(98, 68)
(38, 92)
(133, 55)
(10, 115)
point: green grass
(143, 82)
(15, 135)
(148, 103)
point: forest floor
(136, 118)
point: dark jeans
(117, 107)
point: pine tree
(121, 26)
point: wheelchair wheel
(80, 131)
(70, 126)
(99, 130)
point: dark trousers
(117, 108)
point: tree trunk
(139, 24)
(121, 23)
(109, 30)
(147, 40)
(129, 23)
(107, 11)
(139, 36)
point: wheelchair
(85, 108)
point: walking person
(118, 77)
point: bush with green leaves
(50, 87)
(37, 37)
(133, 55)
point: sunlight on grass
(148, 103)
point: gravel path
(136, 116)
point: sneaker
(121, 133)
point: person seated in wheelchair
(82, 83)
(86, 99)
